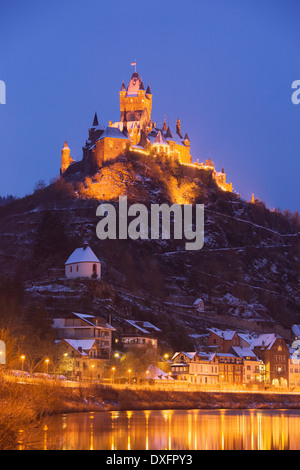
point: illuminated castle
(136, 107)
(135, 132)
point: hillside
(247, 273)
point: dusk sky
(225, 68)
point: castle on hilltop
(135, 132)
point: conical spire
(148, 92)
(123, 88)
(186, 137)
(169, 133)
(95, 121)
(65, 145)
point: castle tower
(178, 128)
(186, 140)
(135, 99)
(66, 160)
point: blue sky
(225, 68)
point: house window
(94, 269)
(77, 268)
(70, 269)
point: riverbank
(163, 400)
(50, 397)
(25, 406)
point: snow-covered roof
(246, 337)
(189, 355)
(142, 325)
(265, 340)
(225, 355)
(165, 139)
(204, 356)
(175, 138)
(82, 346)
(82, 255)
(157, 374)
(90, 319)
(159, 139)
(198, 301)
(113, 133)
(225, 334)
(243, 352)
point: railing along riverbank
(167, 386)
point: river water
(174, 430)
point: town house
(195, 367)
(139, 334)
(87, 339)
(274, 353)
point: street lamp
(92, 367)
(22, 359)
(47, 363)
(113, 373)
(129, 371)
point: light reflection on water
(174, 430)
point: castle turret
(178, 128)
(66, 160)
(186, 140)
